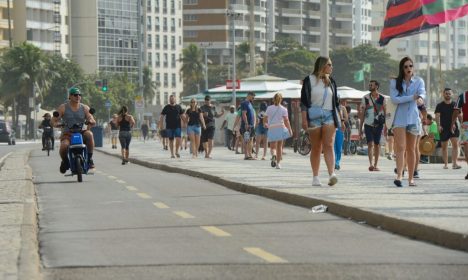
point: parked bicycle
(302, 143)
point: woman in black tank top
(126, 122)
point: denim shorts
(173, 133)
(325, 119)
(193, 129)
(414, 129)
(261, 130)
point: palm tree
(149, 86)
(24, 74)
(242, 51)
(192, 68)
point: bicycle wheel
(353, 147)
(304, 145)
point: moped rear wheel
(79, 168)
(48, 146)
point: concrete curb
(398, 226)
(29, 265)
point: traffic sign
(108, 104)
(139, 102)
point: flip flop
(376, 169)
(412, 184)
(371, 168)
(398, 183)
(273, 161)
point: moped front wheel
(79, 168)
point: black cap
(207, 97)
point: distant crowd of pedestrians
(399, 119)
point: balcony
(312, 29)
(292, 12)
(296, 28)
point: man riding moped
(48, 132)
(74, 112)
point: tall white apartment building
(164, 44)
(349, 22)
(453, 42)
(44, 23)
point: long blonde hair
(277, 98)
(319, 70)
(194, 105)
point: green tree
(23, 69)
(218, 74)
(150, 87)
(242, 63)
(382, 67)
(290, 60)
(192, 69)
(70, 74)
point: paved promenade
(436, 210)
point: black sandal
(398, 183)
(273, 161)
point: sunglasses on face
(75, 95)
(408, 66)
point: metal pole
(252, 68)
(324, 28)
(206, 69)
(428, 71)
(140, 55)
(233, 15)
(266, 38)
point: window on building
(157, 42)
(165, 24)
(173, 44)
(157, 60)
(461, 52)
(157, 24)
(148, 6)
(166, 80)
(165, 62)
(190, 2)
(173, 27)
(158, 78)
(164, 6)
(165, 42)
(173, 60)
(156, 6)
(149, 41)
(173, 81)
(150, 59)
(172, 7)
(149, 26)
(190, 34)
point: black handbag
(379, 119)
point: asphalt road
(131, 222)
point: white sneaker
(332, 180)
(278, 166)
(316, 182)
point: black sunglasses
(76, 94)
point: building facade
(164, 44)
(43, 23)
(208, 23)
(4, 29)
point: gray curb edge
(29, 264)
(398, 226)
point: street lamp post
(324, 40)
(233, 15)
(205, 48)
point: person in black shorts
(443, 112)
(209, 115)
(173, 114)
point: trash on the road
(319, 209)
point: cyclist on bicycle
(73, 112)
(48, 132)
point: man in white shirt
(228, 126)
